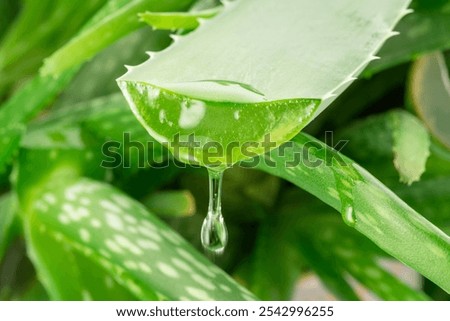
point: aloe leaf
(113, 22)
(40, 28)
(429, 92)
(280, 75)
(105, 233)
(367, 205)
(9, 144)
(110, 61)
(9, 9)
(20, 108)
(118, 235)
(8, 216)
(177, 20)
(289, 81)
(427, 29)
(105, 119)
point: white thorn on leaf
(129, 68)
(329, 95)
(150, 53)
(202, 21)
(174, 37)
(393, 33)
(408, 11)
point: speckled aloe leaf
(429, 92)
(115, 20)
(88, 240)
(367, 205)
(285, 57)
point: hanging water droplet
(214, 233)
(348, 215)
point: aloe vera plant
(99, 210)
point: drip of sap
(214, 233)
(215, 123)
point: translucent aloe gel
(215, 124)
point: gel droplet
(348, 215)
(214, 233)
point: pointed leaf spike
(408, 11)
(175, 37)
(151, 54)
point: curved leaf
(111, 23)
(325, 44)
(367, 205)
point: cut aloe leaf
(218, 128)
(429, 90)
(235, 71)
(425, 30)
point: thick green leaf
(8, 212)
(19, 109)
(177, 20)
(107, 120)
(113, 21)
(102, 228)
(41, 27)
(425, 30)
(190, 87)
(367, 205)
(104, 233)
(107, 65)
(429, 90)
(9, 8)
(341, 39)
